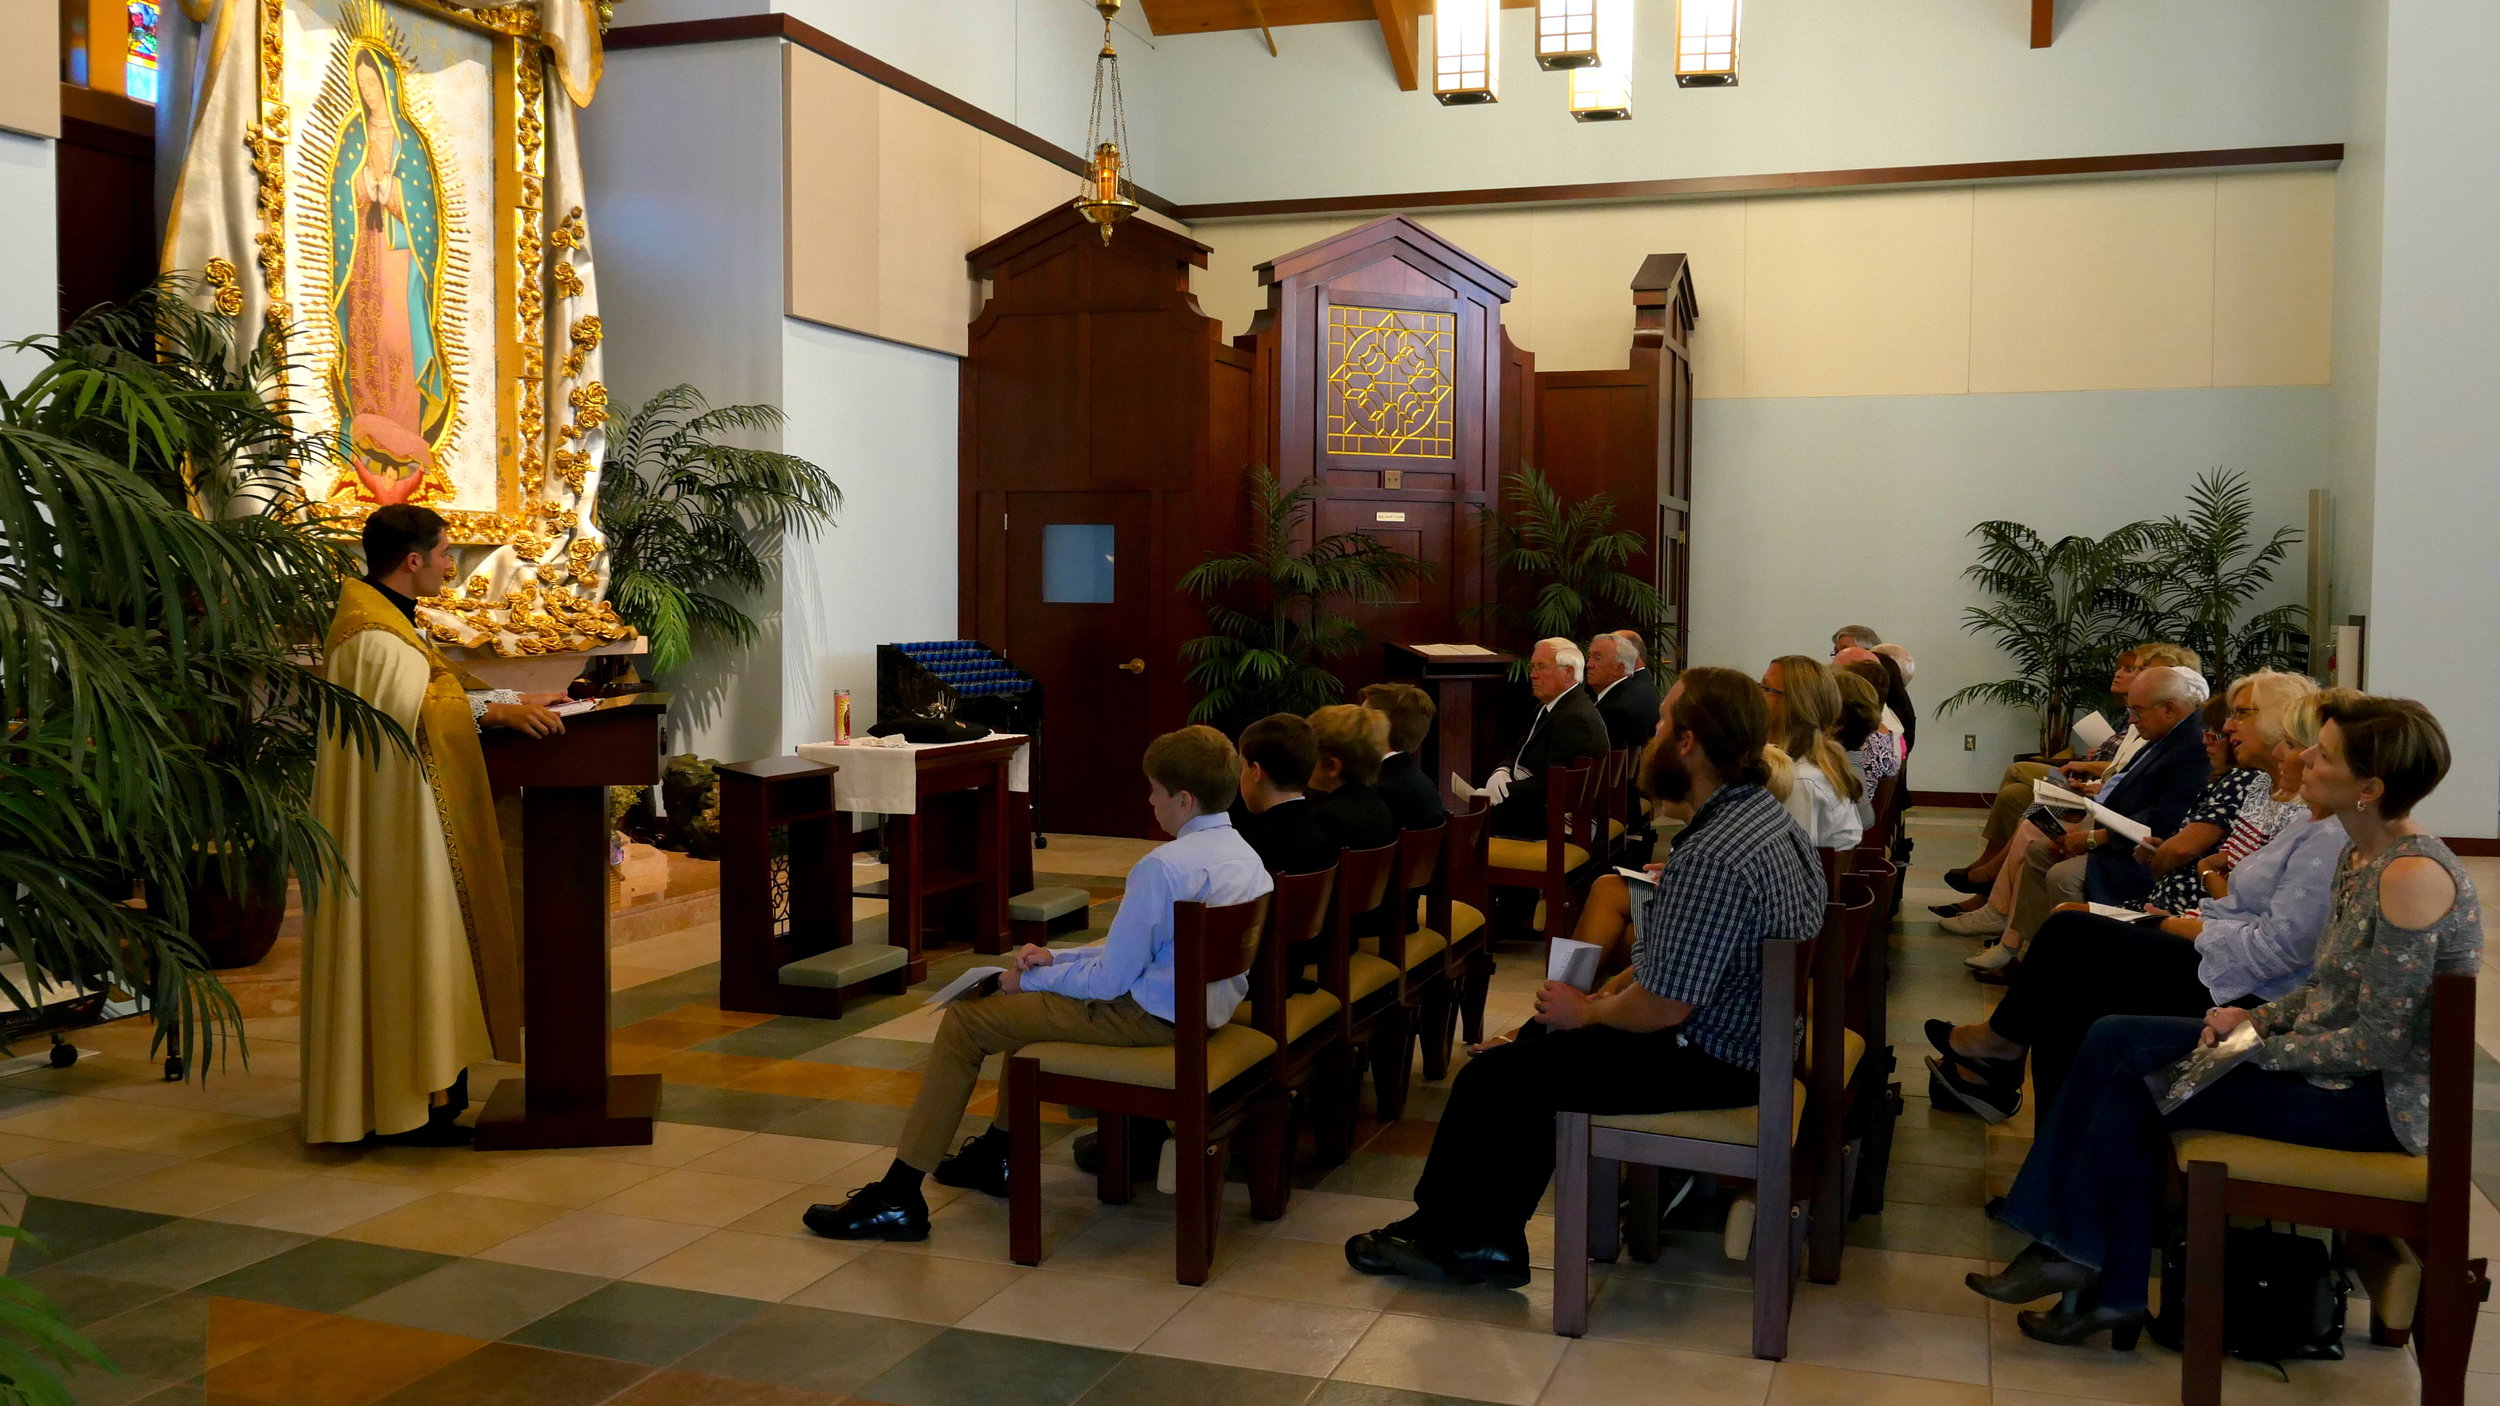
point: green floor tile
(63, 1229)
(326, 1276)
(873, 1123)
(166, 1339)
(1167, 1381)
(508, 1374)
(644, 1323)
(810, 1348)
(741, 1109)
(870, 1052)
(477, 1298)
(960, 1368)
(182, 1253)
(1375, 1174)
(1357, 1394)
(785, 1038)
(83, 1298)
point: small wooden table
(961, 824)
(568, 1098)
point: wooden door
(1079, 619)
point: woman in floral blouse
(2343, 1061)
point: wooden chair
(1454, 908)
(1424, 987)
(1206, 1084)
(1548, 864)
(1369, 987)
(2422, 1201)
(1311, 1056)
(1875, 1100)
(1588, 1150)
(1836, 1101)
(1614, 807)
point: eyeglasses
(2243, 712)
(1766, 688)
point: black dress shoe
(2035, 1274)
(2073, 1327)
(1960, 881)
(1145, 1151)
(1503, 1269)
(872, 1213)
(1950, 1087)
(980, 1165)
(2003, 1073)
(1391, 1250)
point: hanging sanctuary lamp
(1110, 196)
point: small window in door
(1077, 560)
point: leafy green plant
(2205, 567)
(1566, 560)
(2062, 611)
(37, 1343)
(1273, 608)
(684, 515)
(160, 582)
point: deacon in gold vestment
(411, 970)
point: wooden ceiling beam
(1399, 30)
(2043, 23)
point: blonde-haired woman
(1805, 711)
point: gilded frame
(529, 257)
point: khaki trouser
(982, 1026)
(2013, 798)
(2047, 882)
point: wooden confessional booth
(1108, 429)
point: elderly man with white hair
(2155, 789)
(1567, 727)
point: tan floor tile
(77, 1169)
(320, 1205)
(1444, 1358)
(1131, 1249)
(1304, 1271)
(1804, 1384)
(781, 1218)
(974, 1227)
(1529, 1309)
(427, 1168)
(1595, 1373)
(1896, 1279)
(625, 978)
(1664, 1313)
(561, 1181)
(671, 1145)
(697, 1198)
(2147, 1376)
(451, 1223)
(1115, 1314)
(774, 1157)
(2004, 1396)
(922, 1288)
(287, 1152)
(191, 1188)
(1267, 1334)
(94, 1122)
(594, 1242)
(746, 1265)
(17, 1147)
(1333, 1217)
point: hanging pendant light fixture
(1705, 42)
(1566, 34)
(1110, 194)
(1466, 51)
(1603, 92)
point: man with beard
(1679, 1029)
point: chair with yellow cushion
(1370, 989)
(1874, 1099)
(1206, 1084)
(2423, 1201)
(1422, 958)
(1310, 1062)
(1452, 908)
(1547, 864)
(1589, 1150)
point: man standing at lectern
(411, 972)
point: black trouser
(2080, 967)
(1494, 1152)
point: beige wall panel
(1228, 287)
(2274, 274)
(2099, 286)
(1582, 285)
(1506, 240)
(830, 155)
(1858, 294)
(30, 67)
(1016, 185)
(928, 218)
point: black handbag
(2283, 1297)
(930, 726)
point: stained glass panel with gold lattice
(1392, 377)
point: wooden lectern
(568, 1098)
(1458, 720)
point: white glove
(1496, 786)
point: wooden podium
(568, 1098)
(1457, 724)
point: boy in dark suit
(1274, 815)
(1352, 741)
(1412, 798)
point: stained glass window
(139, 69)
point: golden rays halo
(366, 27)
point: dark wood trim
(2477, 846)
(2043, 23)
(112, 110)
(2326, 153)
(868, 66)
(1974, 800)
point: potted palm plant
(688, 517)
(1273, 609)
(2062, 611)
(1566, 562)
(2212, 567)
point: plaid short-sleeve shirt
(1740, 872)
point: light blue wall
(1808, 511)
(29, 291)
(880, 417)
(1827, 84)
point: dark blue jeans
(2092, 1188)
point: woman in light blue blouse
(2249, 946)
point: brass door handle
(1134, 666)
